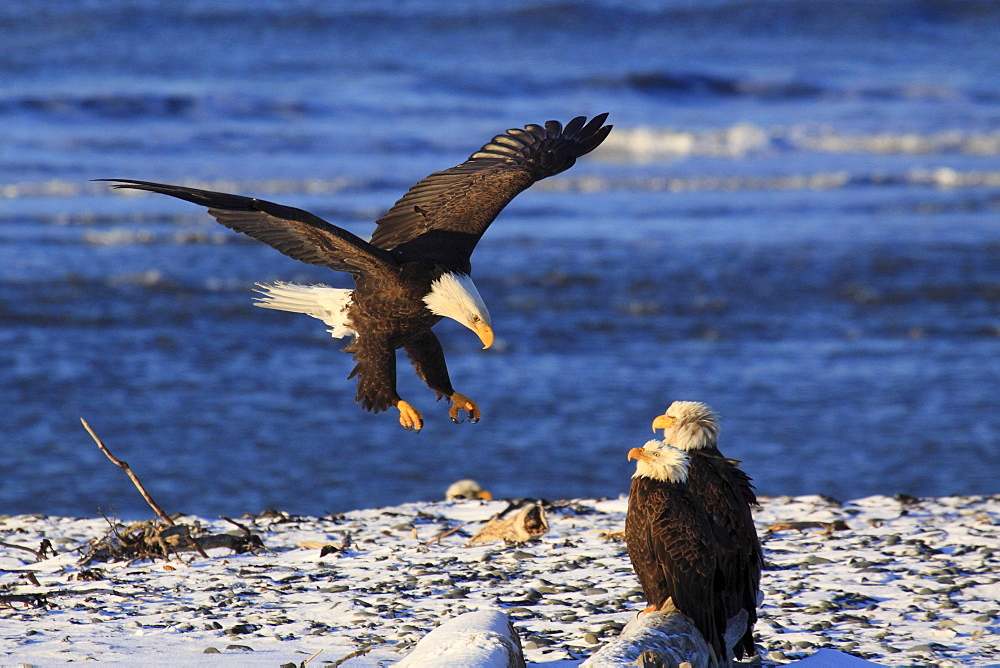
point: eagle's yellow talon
(459, 403)
(409, 417)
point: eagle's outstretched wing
(442, 217)
(296, 233)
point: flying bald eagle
(416, 268)
(671, 542)
(728, 496)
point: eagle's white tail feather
(319, 301)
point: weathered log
(670, 637)
(528, 523)
(665, 638)
(481, 639)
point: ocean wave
(953, 141)
(125, 237)
(818, 181)
(61, 188)
(940, 177)
(647, 144)
(119, 105)
(696, 83)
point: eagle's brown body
(429, 233)
(672, 546)
(727, 495)
(393, 316)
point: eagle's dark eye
(475, 318)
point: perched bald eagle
(671, 542)
(416, 268)
(727, 494)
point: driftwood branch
(124, 465)
(39, 553)
(313, 656)
(241, 527)
(151, 539)
(827, 527)
(353, 655)
(189, 541)
(438, 537)
(38, 600)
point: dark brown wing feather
(442, 217)
(727, 494)
(296, 233)
(671, 544)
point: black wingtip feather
(594, 125)
(578, 137)
(574, 126)
(205, 198)
(595, 140)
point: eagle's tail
(319, 301)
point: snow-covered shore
(897, 581)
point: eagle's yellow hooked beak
(484, 332)
(663, 422)
(637, 453)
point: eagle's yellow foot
(409, 416)
(459, 403)
(651, 608)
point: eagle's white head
(689, 425)
(467, 489)
(659, 461)
(455, 296)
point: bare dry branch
(39, 600)
(124, 465)
(352, 655)
(314, 655)
(443, 535)
(827, 527)
(38, 555)
(241, 527)
(138, 485)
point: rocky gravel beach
(895, 580)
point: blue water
(796, 220)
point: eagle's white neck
(455, 296)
